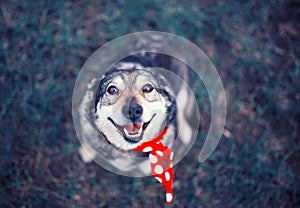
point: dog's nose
(134, 111)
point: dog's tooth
(126, 132)
(140, 131)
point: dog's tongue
(133, 128)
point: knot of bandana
(161, 161)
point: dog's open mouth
(133, 129)
(132, 132)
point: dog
(132, 107)
(131, 104)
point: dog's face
(132, 107)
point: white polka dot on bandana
(167, 175)
(147, 149)
(158, 179)
(169, 197)
(159, 153)
(152, 158)
(158, 169)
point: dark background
(255, 48)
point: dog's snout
(133, 111)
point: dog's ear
(163, 83)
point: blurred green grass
(255, 47)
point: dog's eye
(113, 90)
(147, 88)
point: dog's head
(132, 107)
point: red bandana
(161, 161)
